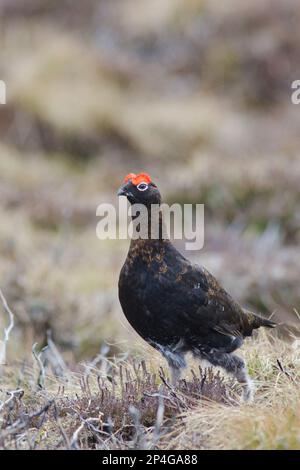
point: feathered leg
(233, 365)
(175, 374)
(175, 358)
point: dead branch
(159, 420)
(7, 330)
(54, 357)
(12, 394)
(41, 376)
(85, 422)
(23, 421)
(139, 441)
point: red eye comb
(137, 179)
(129, 177)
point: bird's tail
(258, 321)
(266, 322)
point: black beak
(122, 191)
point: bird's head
(139, 189)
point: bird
(179, 307)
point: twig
(24, 420)
(160, 396)
(102, 358)
(159, 420)
(41, 376)
(284, 371)
(60, 427)
(139, 440)
(297, 313)
(12, 394)
(74, 440)
(85, 422)
(172, 391)
(54, 357)
(3, 343)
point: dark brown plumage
(179, 307)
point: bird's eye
(142, 186)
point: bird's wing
(221, 313)
(187, 297)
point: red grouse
(179, 307)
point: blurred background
(195, 92)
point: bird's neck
(152, 241)
(146, 250)
(148, 225)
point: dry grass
(119, 403)
(108, 403)
(271, 422)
